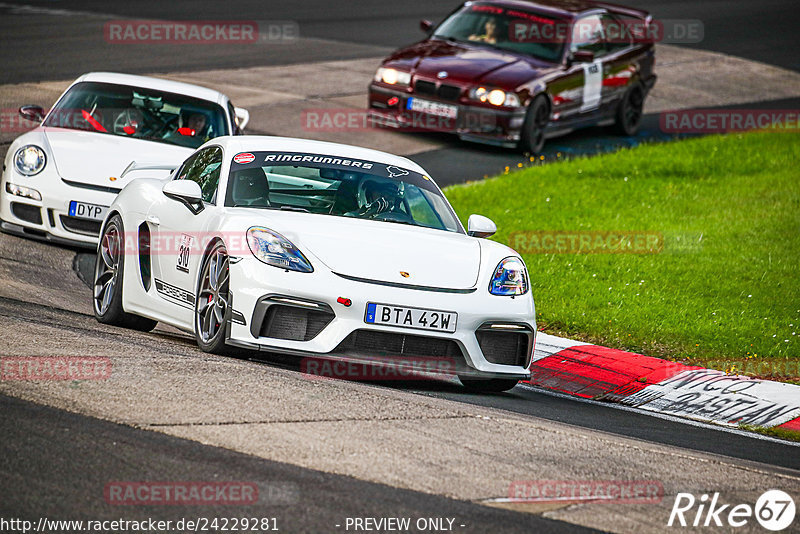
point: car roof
(564, 8)
(267, 143)
(157, 84)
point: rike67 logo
(774, 510)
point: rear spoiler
(134, 166)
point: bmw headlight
(495, 97)
(392, 76)
(510, 278)
(274, 249)
(29, 160)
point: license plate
(432, 108)
(82, 210)
(419, 318)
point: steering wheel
(395, 216)
(126, 119)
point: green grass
(775, 432)
(725, 288)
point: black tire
(536, 119)
(109, 270)
(488, 385)
(630, 111)
(212, 309)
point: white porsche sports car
(59, 178)
(316, 249)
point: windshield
(516, 30)
(340, 187)
(139, 113)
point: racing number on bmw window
(184, 250)
(587, 36)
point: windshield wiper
(294, 208)
(281, 208)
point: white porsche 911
(315, 249)
(60, 177)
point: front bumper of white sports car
(49, 218)
(494, 336)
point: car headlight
(22, 191)
(274, 249)
(510, 278)
(496, 97)
(29, 160)
(392, 76)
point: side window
(204, 168)
(234, 119)
(617, 33)
(421, 210)
(587, 34)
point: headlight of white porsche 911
(274, 249)
(29, 160)
(510, 278)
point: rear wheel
(488, 385)
(536, 119)
(630, 110)
(108, 276)
(212, 306)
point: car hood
(93, 158)
(467, 63)
(380, 251)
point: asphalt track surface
(87, 453)
(763, 31)
(53, 462)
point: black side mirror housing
(582, 56)
(32, 113)
(425, 25)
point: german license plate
(432, 108)
(82, 210)
(418, 318)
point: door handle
(152, 219)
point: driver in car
(197, 122)
(379, 198)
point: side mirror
(186, 192)
(480, 226)
(32, 113)
(582, 56)
(242, 117)
(425, 25)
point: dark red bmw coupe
(516, 72)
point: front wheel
(212, 306)
(536, 119)
(630, 111)
(488, 385)
(108, 276)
